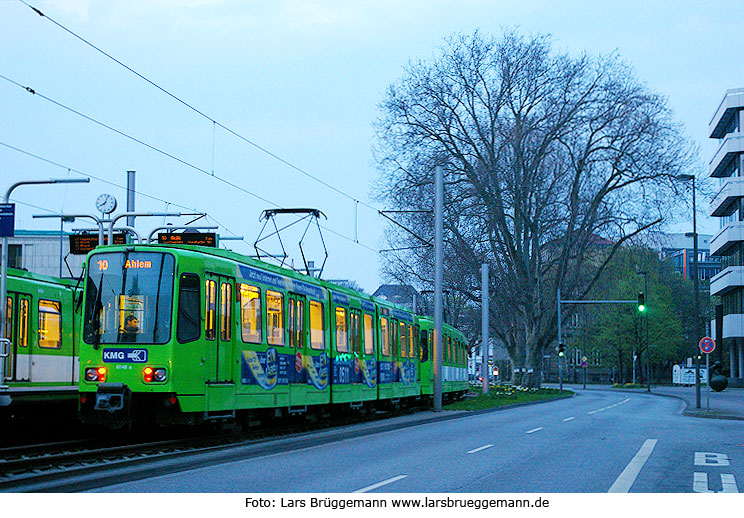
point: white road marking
(729, 484)
(481, 448)
(380, 484)
(700, 483)
(704, 458)
(631, 471)
(608, 407)
(534, 430)
(569, 419)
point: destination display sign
(188, 238)
(81, 244)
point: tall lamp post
(696, 284)
(4, 258)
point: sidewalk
(728, 404)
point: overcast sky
(301, 79)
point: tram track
(72, 466)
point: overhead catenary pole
(438, 281)
(4, 258)
(130, 197)
(484, 326)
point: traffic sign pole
(707, 379)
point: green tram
(184, 334)
(41, 358)
(454, 360)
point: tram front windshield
(129, 298)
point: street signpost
(583, 366)
(707, 345)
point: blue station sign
(7, 219)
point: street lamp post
(696, 284)
(4, 258)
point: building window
(15, 256)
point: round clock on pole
(106, 203)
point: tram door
(218, 324)
(297, 342)
(16, 330)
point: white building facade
(727, 164)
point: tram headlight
(159, 375)
(95, 374)
(154, 375)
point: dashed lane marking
(534, 430)
(481, 448)
(608, 407)
(380, 484)
(631, 471)
(569, 419)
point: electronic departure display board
(81, 244)
(188, 238)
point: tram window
(210, 325)
(403, 336)
(424, 346)
(225, 311)
(274, 317)
(384, 336)
(8, 317)
(449, 349)
(317, 336)
(299, 323)
(411, 351)
(23, 323)
(369, 334)
(342, 343)
(250, 313)
(187, 328)
(50, 324)
(354, 337)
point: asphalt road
(598, 441)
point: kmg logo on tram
(125, 355)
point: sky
(300, 82)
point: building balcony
(732, 101)
(724, 203)
(733, 326)
(729, 279)
(727, 237)
(731, 147)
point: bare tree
(552, 163)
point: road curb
(698, 413)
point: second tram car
(40, 356)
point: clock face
(106, 203)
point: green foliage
(618, 330)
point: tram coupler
(112, 397)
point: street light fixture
(4, 258)
(696, 284)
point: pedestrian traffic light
(561, 350)
(641, 302)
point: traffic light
(561, 350)
(641, 302)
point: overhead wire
(201, 113)
(215, 123)
(102, 180)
